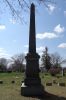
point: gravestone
(32, 82)
(63, 72)
(61, 84)
(1, 82)
(48, 84)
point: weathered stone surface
(13, 81)
(32, 82)
(61, 84)
(32, 90)
(48, 84)
(1, 82)
(54, 81)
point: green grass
(49, 78)
(54, 89)
(9, 91)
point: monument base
(32, 90)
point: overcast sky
(50, 31)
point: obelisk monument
(32, 82)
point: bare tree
(56, 60)
(18, 62)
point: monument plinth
(32, 82)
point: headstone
(13, 81)
(32, 82)
(48, 84)
(1, 82)
(63, 72)
(54, 81)
(61, 84)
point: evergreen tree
(46, 59)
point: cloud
(51, 35)
(59, 29)
(25, 52)
(2, 27)
(3, 53)
(40, 49)
(13, 21)
(51, 8)
(26, 46)
(65, 13)
(62, 45)
(47, 35)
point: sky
(50, 30)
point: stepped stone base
(32, 90)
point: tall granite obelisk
(32, 82)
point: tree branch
(23, 5)
(14, 12)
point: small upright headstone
(13, 81)
(61, 84)
(48, 84)
(63, 72)
(54, 81)
(1, 82)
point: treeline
(16, 63)
(49, 62)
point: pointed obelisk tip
(32, 5)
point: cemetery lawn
(11, 91)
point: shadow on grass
(48, 96)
